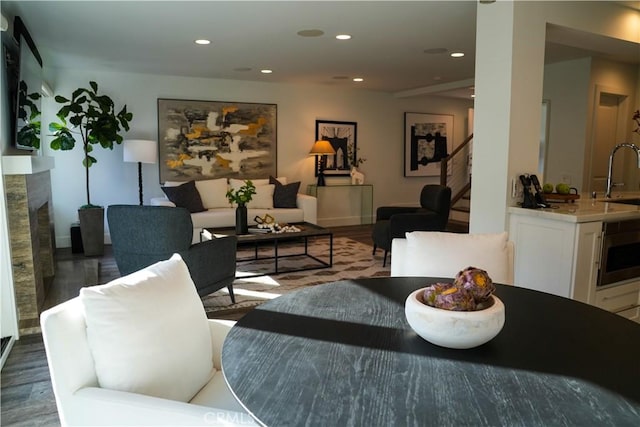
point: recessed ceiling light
(473, 95)
(358, 79)
(202, 41)
(343, 36)
(265, 71)
(310, 33)
(457, 54)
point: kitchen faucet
(610, 171)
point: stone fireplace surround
(31, 232)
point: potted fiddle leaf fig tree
(94, 119)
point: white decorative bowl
(454, 329)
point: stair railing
(457, 178)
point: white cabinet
(622, 299)
(562, 258)
(557, 257)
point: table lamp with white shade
(141, 151)
(322, 149)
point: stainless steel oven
(620, 258)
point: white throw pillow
(263, 199)
(213, 193)
(441, 254)
(148, 332)
(237, 183)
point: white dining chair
(443, 254)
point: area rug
(351, 260)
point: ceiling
(391, 48)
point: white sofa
(219, 213)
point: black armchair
(143, 235)
(394, 221)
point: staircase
(455, 172)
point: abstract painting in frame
(216, 139)
(343, 139)
(428, 138)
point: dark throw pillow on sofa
(185, 196)
(284, 196)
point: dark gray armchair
(394, 221)
(143, 235)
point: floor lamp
(140, 151)
(321, 149)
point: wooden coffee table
(275, 240)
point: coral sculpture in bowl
(461, 315)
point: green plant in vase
(92, 117)
(241, 197)
(28, 122)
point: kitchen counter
(559, 250)
(586, 209)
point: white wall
(571, 87)
(566, 86)
(380, 119)
(510, 39)
(617, 78)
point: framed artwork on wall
(343, 139)
(428, 138)
(216, 139)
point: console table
(339, 203)
(343, 354)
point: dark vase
(241, 220)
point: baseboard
(7, 350)
(65, 240)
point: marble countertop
(587, 209)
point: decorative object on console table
(357, 177)
(321, 149)
(340, 135)
(140, 151)
(212, 139)
(98, 124)
(241, 197)
(428, 138)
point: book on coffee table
(256, 230)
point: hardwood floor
(26, 394)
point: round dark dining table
(343, 354)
